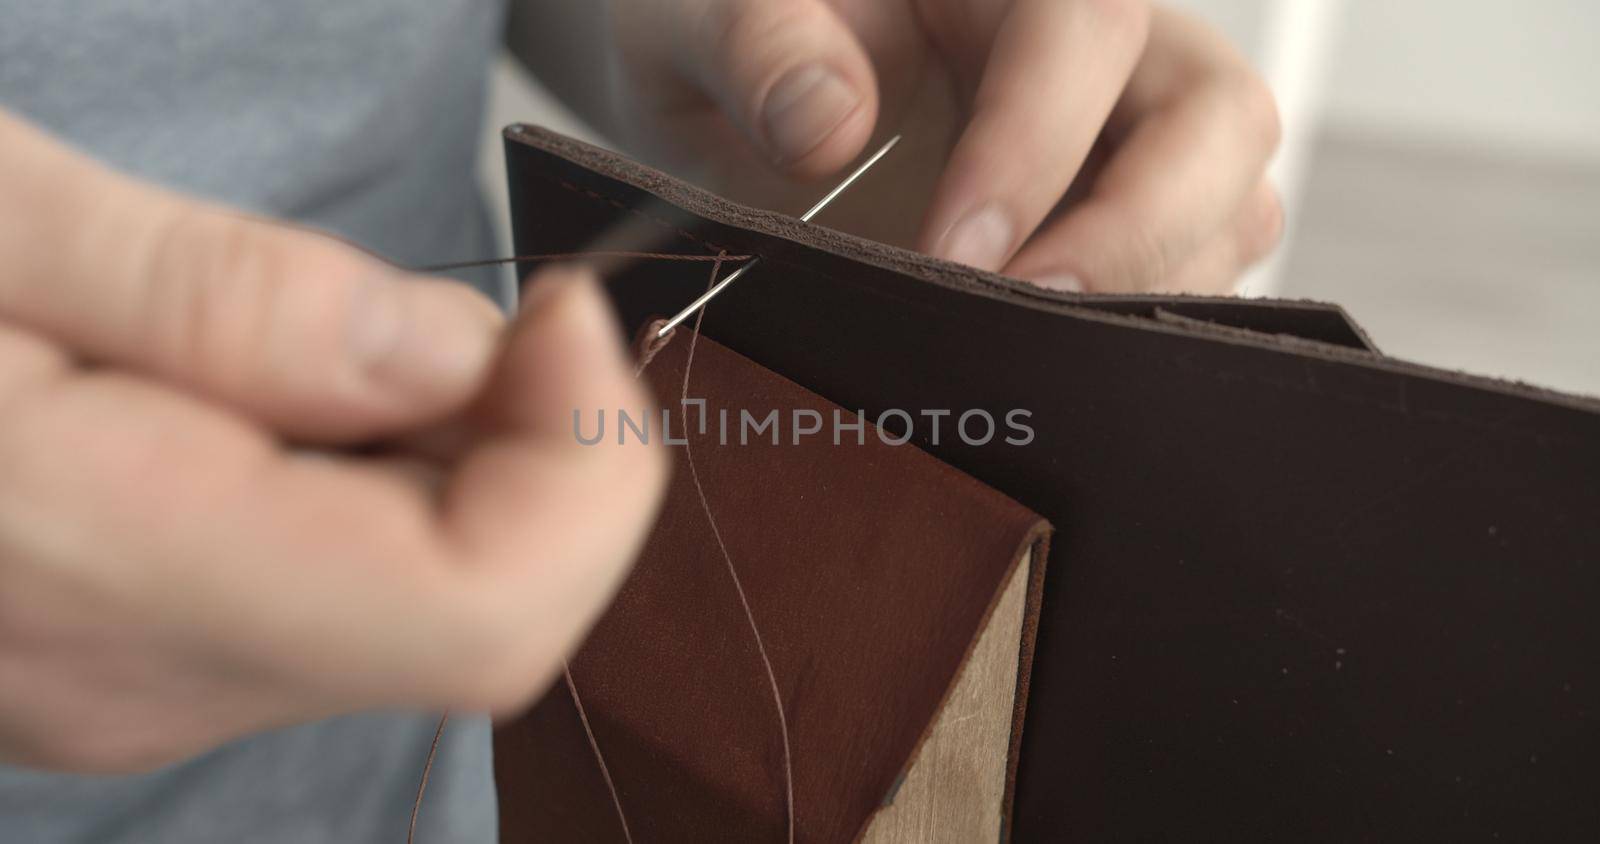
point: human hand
(178, 567)
(1084, 144)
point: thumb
(550, 523)
(301, 332)
(790, 73)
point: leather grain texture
(1299, 590)
(870, 570)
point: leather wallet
(1298, 589)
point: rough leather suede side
(870, 570)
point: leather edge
(1075, 306)
(702, 203)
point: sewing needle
(804, 218)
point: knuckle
(233, 279)
(747, 26)
(748, 40)
(205, 277)
(168, 273)
(229, 297)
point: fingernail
(804, 108)
(422, 338)
(981, 239)
(1060, 281)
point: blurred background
(1440, 167)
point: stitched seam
(624, 207)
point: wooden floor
(1469, 261)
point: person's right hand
(178, 568)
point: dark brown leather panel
(677, 213)
(1298, 591)
(870, 570)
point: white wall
(1498, 75)
(1506, 76)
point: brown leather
(1300, 590)
(869, 568)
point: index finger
(1055, 69)
(1206, 130)
(296, 330)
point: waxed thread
(605, 772)
(572, 684)
(594, 745)
(578, 256)
(744, 602)
(427, 768)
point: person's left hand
(1096, 145)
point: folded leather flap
(862, 572)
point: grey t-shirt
(357, 116)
